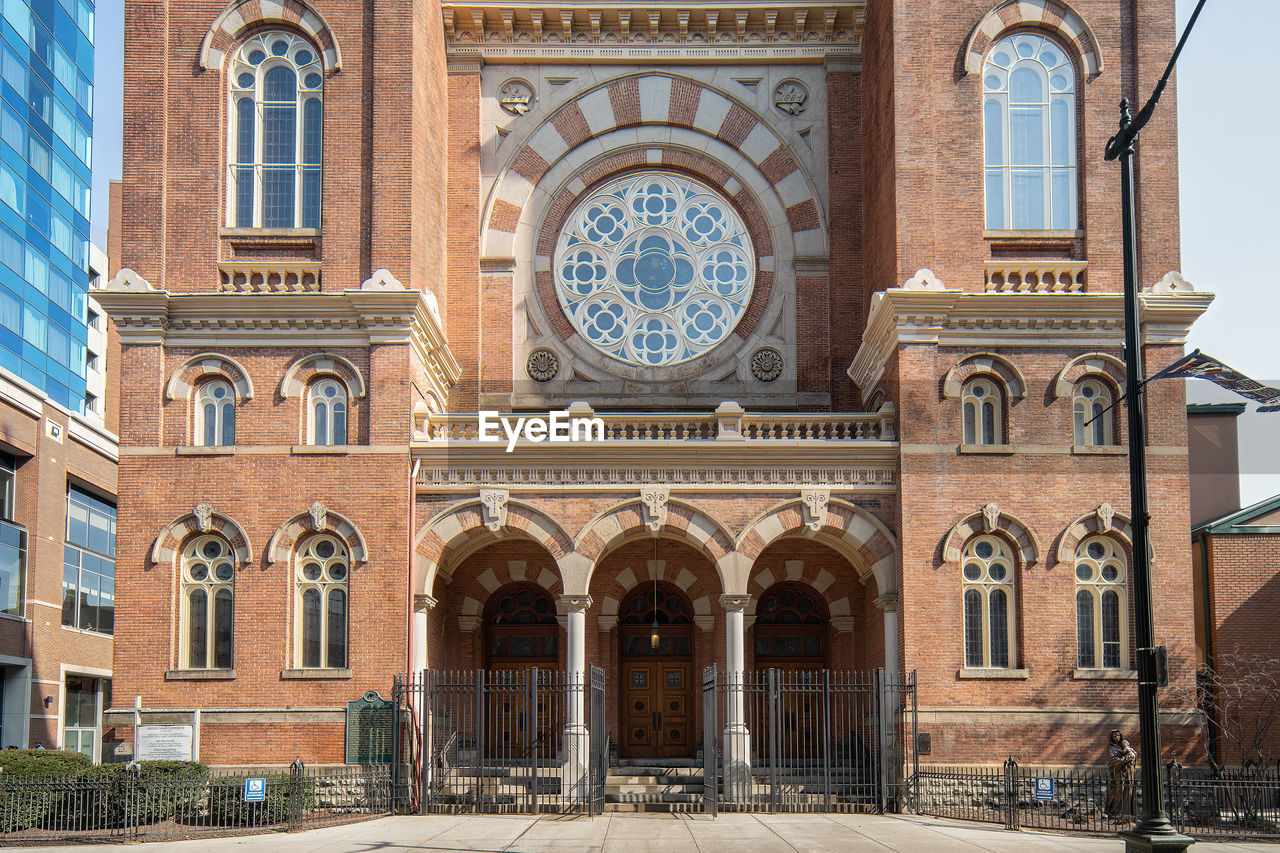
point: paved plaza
(662, 833)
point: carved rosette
(766, 364)
(542, 365)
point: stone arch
(814, 576)
(1094, 363)
(991, 519)
(653, 98)
(183, 379)
(1054, 15)
(496, 577)
(667, 570)
(241, 15)
(300, 373)
(1103, 521)
(317, 519)
(634, 519)
(464, 528)
(857, 535)
(201, 520)
(1015, 386)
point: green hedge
(228, 808)
(160, 790)
(33, 782)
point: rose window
(654, 269)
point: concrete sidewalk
(662, 833)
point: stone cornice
(667, 32)
(934, 315)
(380, 312)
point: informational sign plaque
(164, 743)
(370, 720)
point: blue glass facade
(46, 64)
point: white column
(418, 644)
(890, 772)
(737, 739)
(575, 779)
(888, 604)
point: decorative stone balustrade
(1018, 275)
(248, 276)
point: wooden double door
(657, 708)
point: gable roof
(1244, 520)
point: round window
(654, 269)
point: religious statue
(1121, 761)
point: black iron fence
(119, 803)
(1239, 803)
(501, 741)
(807, 740)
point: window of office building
(89, 564)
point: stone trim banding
(1093, 363)
(861, 538)
(168, 544)
(240, 15)
(300, 373)
(984, 362)
(1054, 15)
(183, 379)
(991, 519)
(1103, 521)
(286, 537)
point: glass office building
(47, 127)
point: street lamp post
(1153, 831)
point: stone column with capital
(421, 604)
(890, 697)
(575, 776)
(737, 739)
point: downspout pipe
(1211, 708)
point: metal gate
(808, 741)
(503, 741)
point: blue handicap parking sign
(1044, 788)
(255, 790)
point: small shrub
(228, 808)
(33, 782)
(158, 790)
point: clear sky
(1229, 131)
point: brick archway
(202, 519)
(636, 519)
(1103, 521)
(317, 519)
(240, 15)
(1006, 371)
(991, 519)
(851, 531)
(464, 528)
(1054, 15)
(183, 379)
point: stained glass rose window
(654, 268)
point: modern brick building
(842, 284)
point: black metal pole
(1153, 831)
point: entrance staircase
(654, 786)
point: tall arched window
(327, 413)
(1091, 404)
(208, 604)
(215, 415)
(322, 604)
(983, 406)
(274, 138)
(1029, 134)
(521, 628)
(1101, 612)
(988, 603)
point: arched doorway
(790, 635)
(520, 633)
(657, 678)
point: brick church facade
(841, 283)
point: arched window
(1029, 134)
(521, 628)
(988, 603)
(983, 404)
(1092, 402)
(322, 603)
(215, 415)
(1101, 611)
(274, 137)
(665, 604)
(327, 413)
(208, 604)
(790, 628)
